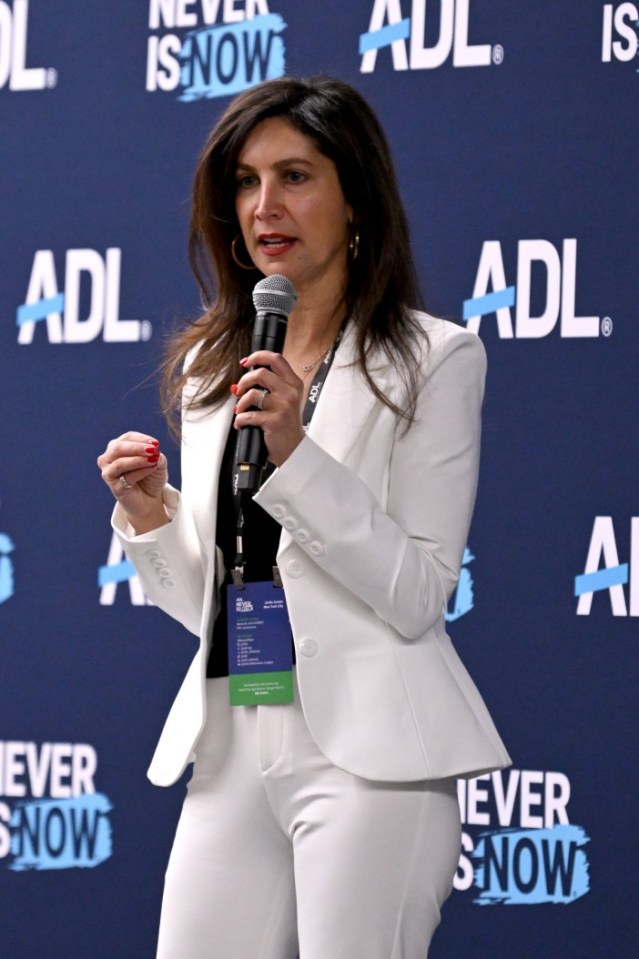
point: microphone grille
(275, 293)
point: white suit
(374, 523)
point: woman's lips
(275, 243)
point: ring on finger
(260, 402)
(123, 482)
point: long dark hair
(382, 286)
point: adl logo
(492, 294)
(213, 59)
(60, 311)
(454, 17)
(13, 51)
(118, 569)
(613, 575)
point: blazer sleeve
(402, 560)
(168, 561)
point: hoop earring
(353, 244)
(236, 258)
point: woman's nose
(269, 201)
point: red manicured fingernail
(152, 460)
(151, 449)
(234, 389)
(235, 409)
(155, 442)
(244, 361)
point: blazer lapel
(345, 403)
(204, 439)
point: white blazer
(374, 524)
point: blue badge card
(260, 645)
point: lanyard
(237, 574)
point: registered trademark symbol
(606, 326)
(51, 78)
(145, 330)
(498, 54)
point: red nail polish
(152, 460)
(235, 409)
(155, 442)
(151, 449)
(234, 389)
(244, 361)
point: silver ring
(124, 484)
(263, 394)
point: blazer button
(168, 583)
(289, 523)
(165, 572)
(295, 568)
(316, 549)
(308, 647)
(159, 563)
(302, 536)
(278, 511)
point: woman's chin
(273, 267)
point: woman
(328, 824)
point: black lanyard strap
(317, 385)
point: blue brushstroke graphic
(228, 58)
(30, 313)
(601, 579)
(531, 866)
(383, 37)
(463, 599)
(118, 573)
(61, 833)
(7, 586)
(490, 303)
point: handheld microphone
(274, 297)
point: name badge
(260, 645)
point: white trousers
(277, 850)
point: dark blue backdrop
(514, 131)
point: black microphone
(274, 297)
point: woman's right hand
(136, 472)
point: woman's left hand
(280, 418)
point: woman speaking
(326, 709)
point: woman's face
(291, 209)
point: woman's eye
(294, 176)
(244, 182)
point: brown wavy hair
(382, 286)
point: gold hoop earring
(353, 244)
(236, 258)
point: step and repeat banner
(514, 128)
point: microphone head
(274, 294)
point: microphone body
(274, 298)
